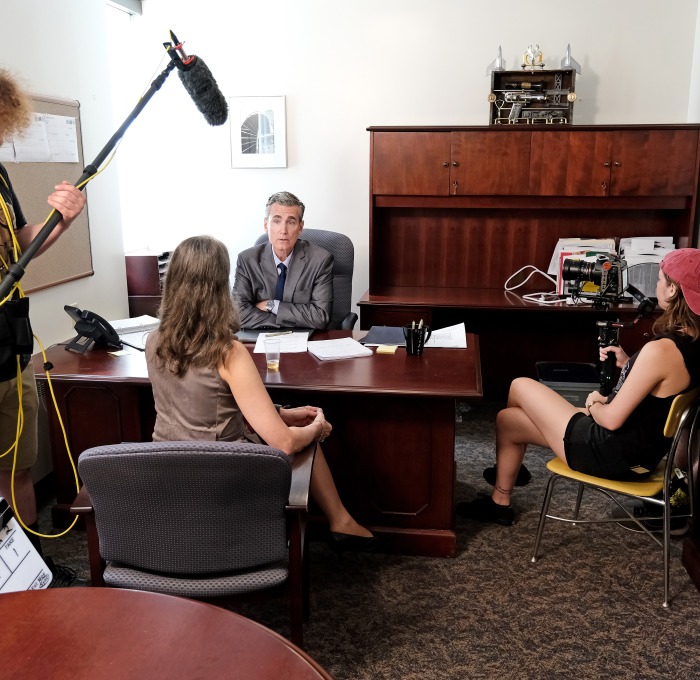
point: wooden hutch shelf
(455, 211)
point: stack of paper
(571, 245)
(135, 324)
(343, 348)
(135, 330)
(641, 249)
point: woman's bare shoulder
(660, 348)
(237, 355)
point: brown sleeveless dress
(197, 406)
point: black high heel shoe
(341, 543)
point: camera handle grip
(606, 374)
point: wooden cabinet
(454, 212)
(621, 163)
(411, 165)
(450, 163)
(487, 165)
(145, 274)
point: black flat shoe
(522, 479)
(341, 543)
(483, 509)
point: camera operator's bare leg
(535, 414)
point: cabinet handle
(445, 164)
(604, 186)
(606, 164)
(617, 164)
(455, 164)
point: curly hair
(15, 106)
(677, 318)
(198, 318)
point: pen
(272, 335)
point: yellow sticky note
(386, 349)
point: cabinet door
(490, 163)
(570, 163)
(411, 163)
(654, 163)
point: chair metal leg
(579, 497)
(667, 546)
(543, 515)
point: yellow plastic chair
(681, 425)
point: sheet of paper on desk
(289, 342)
(452, 336)
(342, 348)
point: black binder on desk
(385, 335)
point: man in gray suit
(287, 281)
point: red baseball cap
(683, 266)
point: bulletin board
(70, 257)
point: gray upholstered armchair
(198, 519)
(340, 246)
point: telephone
(91, 328)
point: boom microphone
(200, 85)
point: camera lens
(576, 269)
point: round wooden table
(108, 633)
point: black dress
(639, 445)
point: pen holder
(416, 339)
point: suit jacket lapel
(295, 271)
(269, 270)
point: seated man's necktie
(281, 278)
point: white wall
(58, 49)
(346, 66)
(694, 102)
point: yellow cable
(20, 426)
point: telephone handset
(91, 328)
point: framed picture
(258, 132)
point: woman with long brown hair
(616, 435)
(206, 385)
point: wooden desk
(108, 633)
(514, 334)
(393, 416)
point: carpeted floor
(589, 608)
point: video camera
(603, 279)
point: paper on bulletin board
(49, 139)
(21, 567)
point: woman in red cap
(612, 435)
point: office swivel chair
(340, 246)
(654, 489)
(198, 519)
